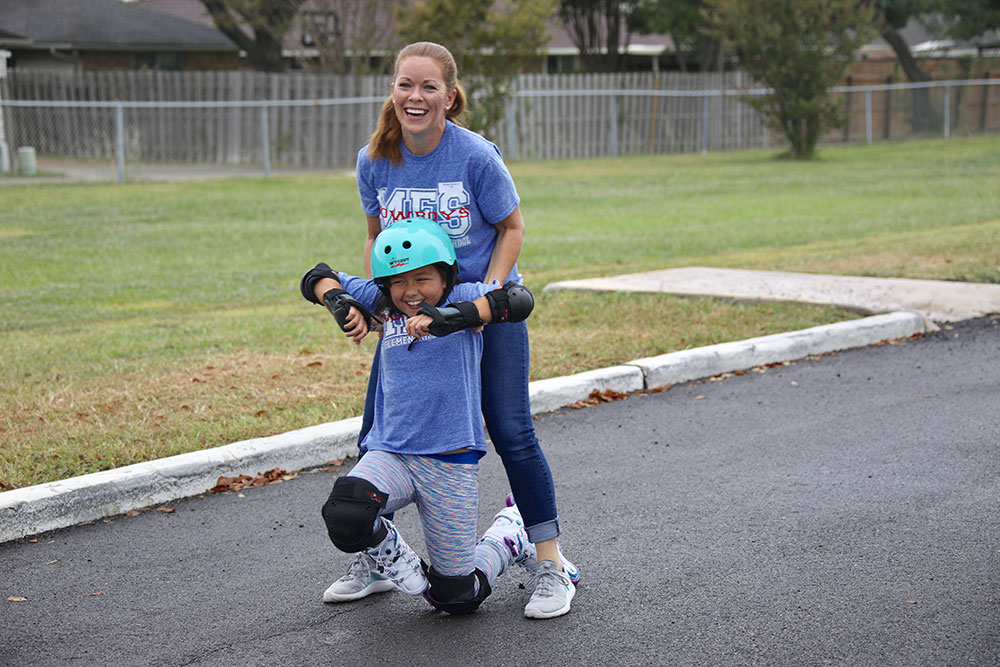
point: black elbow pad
(313, 276)
(511, 303)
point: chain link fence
(550, 117)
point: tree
(345, 33)
(684, 21)
(599, 29)
(257, 27)
(970, 18)
(961, 19)
(798, 49)
(892, 16)
(492, 42)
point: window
(166, 62)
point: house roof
(102, 24)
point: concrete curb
(45, 507)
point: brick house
(86, 35)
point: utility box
(27, 163)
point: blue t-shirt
(462, 184)
(428, 396)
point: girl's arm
(356, 326)
(510, 236)
(510, 303)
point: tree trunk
(916, 74)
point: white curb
(36, 509)
(705, 362)
(45, 507)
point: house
(76, 35)
(301, 48)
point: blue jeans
(507, 410)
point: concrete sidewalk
(68, 502)
(937, 300)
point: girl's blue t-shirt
(427, 399)
(462, 184)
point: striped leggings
(447, 497)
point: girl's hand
(356, 327)
(417, 326)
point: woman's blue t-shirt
(462, 184)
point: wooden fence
(320, 121)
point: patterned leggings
(446, 495)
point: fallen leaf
(699, 398)
(312, 364)
(94, 594)
(53, 562)
(132, 513)
(167, 510)
(909, 602)
(241, 482)
(597, 396)
(16, 598)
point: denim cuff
(542, 532)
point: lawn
(150, 319)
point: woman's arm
(510, 236)
(374, 227)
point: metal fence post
(868, 117)
(614, 126)
(947, 111)
(704, 124)
(511, 130)
(120, 140)
(265, 141)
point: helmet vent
(388, 249)
(407, 244)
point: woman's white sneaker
(553, 592)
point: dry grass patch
(109, 420)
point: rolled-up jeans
(507, 411)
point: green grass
(152, 319)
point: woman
(421, 163)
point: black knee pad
(457, 595)
(350, 514)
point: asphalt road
(842, 510)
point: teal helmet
(412, 244)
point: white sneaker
(529, 562)
(508, 532)
(361, 580)
(395, 559)
(553, 592)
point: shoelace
(359, 567)
(545, 582)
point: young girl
(427, 436)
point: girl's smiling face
(421, 100)
(409, 290)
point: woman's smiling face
(421, 101)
